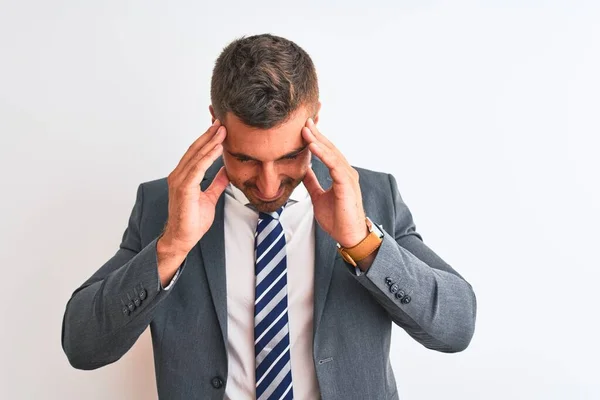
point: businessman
(266, 266)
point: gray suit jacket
(353, 315)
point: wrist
(364, 249)
(355, 239)
(366, 262)
(167, 246)
(169, 258)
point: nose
(268, 182)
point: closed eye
(245, 159)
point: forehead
(265, 144)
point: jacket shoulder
(373, 179)
(155, 188)
(153, 197)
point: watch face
(374, 228)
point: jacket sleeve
(106, 314)
(423, 294)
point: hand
(191, 211)
(338, 210)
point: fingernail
(215, 123)
(310, 120)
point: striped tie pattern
(271, 329)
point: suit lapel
(325, 251)
(212, 249)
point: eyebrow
(290, 154)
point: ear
(212, 113)
(316, 117)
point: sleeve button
(405, 299)
(400, 294)
(131, 306)
(126, 311)
(394, 288)
(143, 294)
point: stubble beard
(289, 184)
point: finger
(217, 139)
(310, 137)
(321, 151)
(339, 169)
(218, 185)
(198, 144)
(198, 169)
(317, 133)
(203, 144)
(333, 153)
(312, 184)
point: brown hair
(263, 79)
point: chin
(269, 206)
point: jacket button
(400, 294)
(126, 311)
(394, 288)
(405, 299)
(143, 294)
(217, 382)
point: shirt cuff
(170, 285)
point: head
(263, 90)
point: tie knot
(272, 215)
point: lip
(278, 195)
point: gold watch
(367, 246)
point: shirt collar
(298, 194)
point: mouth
(267, 200)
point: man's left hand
(338, 210)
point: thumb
(312, 184)
(218, 185)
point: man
(265, 264)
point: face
(266, 164)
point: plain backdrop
(493, 105)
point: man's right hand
(191, 211)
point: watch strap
(363, 249)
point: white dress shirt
(240, 226)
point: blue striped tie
(271, 329)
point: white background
(485, 112)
